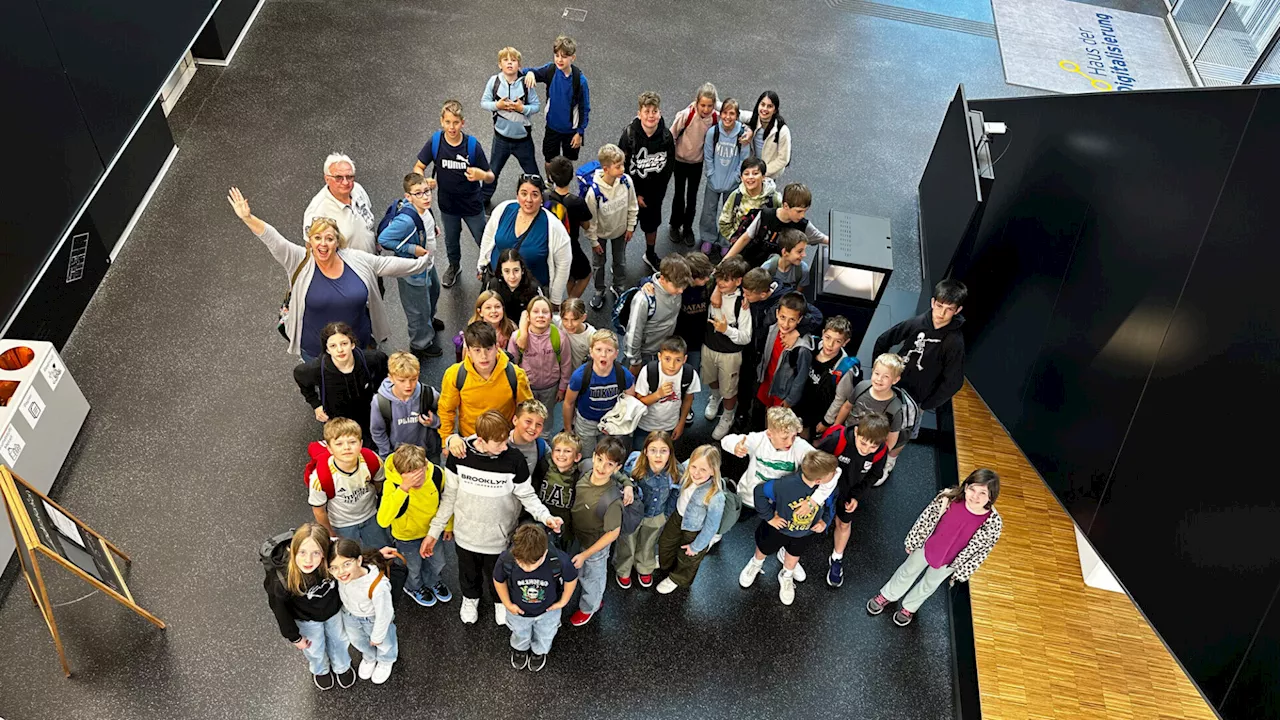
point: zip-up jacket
(409, 512)
(792, 373)
(738, 334)
(644, 332)
(510, 124)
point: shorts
(580, 267)
(769, 541)
(722, 368)
(650, 217)
(555, 143)
(842, 498)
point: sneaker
(537, 662)
(797, 571)
(688, 419)
(724, 426)
(651, 259)
(623, 582)
(366, 668)
(519, 659)
(689, 239)
(438, 324)
(877, 604)
(449, 278)
(667, 587)
(470, 610)
(499, 614)
(346, 678)
(381, 672)
(579, 618)
(646, 580)
(835, 573)
(673, 232)
(713, 406)
(749, 573)
(883, 476)
(597, 302)
(902, 618)
(324, 682)
(422, 596)
(714, 539)
(441, 591)
(431, 351)
(786, 587)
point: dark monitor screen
(949, 191)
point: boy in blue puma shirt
(568, 101)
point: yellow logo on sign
(1070, 66)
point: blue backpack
(587, 181)
(403, 207)
(473, 146)
(622, 308)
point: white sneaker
(366, 669)
(713, 406)
(381, 672)
(786, 588)
(726, 422)
(499, 614)
(798, 571)
(470, 611)
(748, 575)
(666, 586)
(714, 539)
(888, 468)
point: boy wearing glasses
(344, 200)
(411, 233)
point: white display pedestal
(42, 413)
(1094, 570)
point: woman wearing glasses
(328, 281)
(540, 237)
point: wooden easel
(35, 532)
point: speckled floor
(193, 452)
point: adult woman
(342, 381)
(539, 236)
(328, 281)
(771, 137)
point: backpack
(511, 378)
(686, 377)
(399, 574)
(557, 208)
(402, 207)
(429, 400)
(270, 548)
(319, 464)
(751, 214)
(473, 147)
(911, 413)
(622, 308)
(587, 181)
(493, 92)
(632, 514)
(619, 374)
(693, 108)
(553, 562)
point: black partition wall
(1123, 326)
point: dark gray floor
(194, 449)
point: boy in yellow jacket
(486, 379)
(410, 499)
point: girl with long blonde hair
(700, 506)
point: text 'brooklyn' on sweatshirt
(934, 357)
(483, 494)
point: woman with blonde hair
(328, 282)
(700, 506)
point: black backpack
(280, 543)
(619, 374)
(553, 561)
(686, 377)
(429, 399)
(524, 95)
(632, 515)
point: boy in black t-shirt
(760, 240)
(528, 578)
(861, 453)
(560, 170)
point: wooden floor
(1047, 645)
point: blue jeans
(709, 225)
(419, 311)
(502, 149)
(423, 572)
(592, 579)
(453, 234)
(328, 650)
(534, 633)
(358, 632)
(369, 533)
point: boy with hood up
(650, 152)
(404, 410)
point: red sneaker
(623, 582)
(646, 581)
(580, 618)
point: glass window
(1237, 40)
(1194, 19)
(1269, 73)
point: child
(512, 104)
(305, 602)
(343, 380)
(692, 322)
(771, 134)
(951, 538)
(485, 380)
(653, 316)
(404, 410)
(539, 348)
(410, 233)
(757, 289)
(560, 172)
(589, 397)
(340, 487)
(410, 499)
(488, 486)
(650, 469)
(666, 386)
(527, 425)
(789, 519)
(788, 266)
(574, 326)
(871, 396)
(760, 239)
(830, 365)
(783, 368)
(491, 310)
(688, 532)
(650, 155)
(517, 285)
(528, 578)
(597, 522)
(689, 129)
(743, 204)
(568, 100)
(557, 487)
(861, 453)
(460, 168)
(611, 200)
(368, 617)
(727, 334)
(722, 157)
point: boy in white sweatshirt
(614, 209)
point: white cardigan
(367, 267)
(776, 155)
(559, 254)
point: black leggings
(685, 203)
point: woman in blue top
(540, 237)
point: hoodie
(784, 497)
(478, 395)
(792, 373)
(613, 208)
(409, 512)
(318, 602)
(342, 394)
(483, 494)
(355, 600)
(934, 357)
(405, 427)
(645, 333)
(650, 159)
(722, 158)
(731, 216)
(540, 361)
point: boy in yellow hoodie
(486, 379)
(410, 498)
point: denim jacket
(654, 488)
(702, 516)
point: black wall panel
(130, 177)
(223, 29)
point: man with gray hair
(344, 200)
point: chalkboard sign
(62, 534)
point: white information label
(32, 407)
(53, 370)
(11, 444)
(65, 525)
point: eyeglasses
(342, 178)
(322, 218)
(535, 180)
(420, 193)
